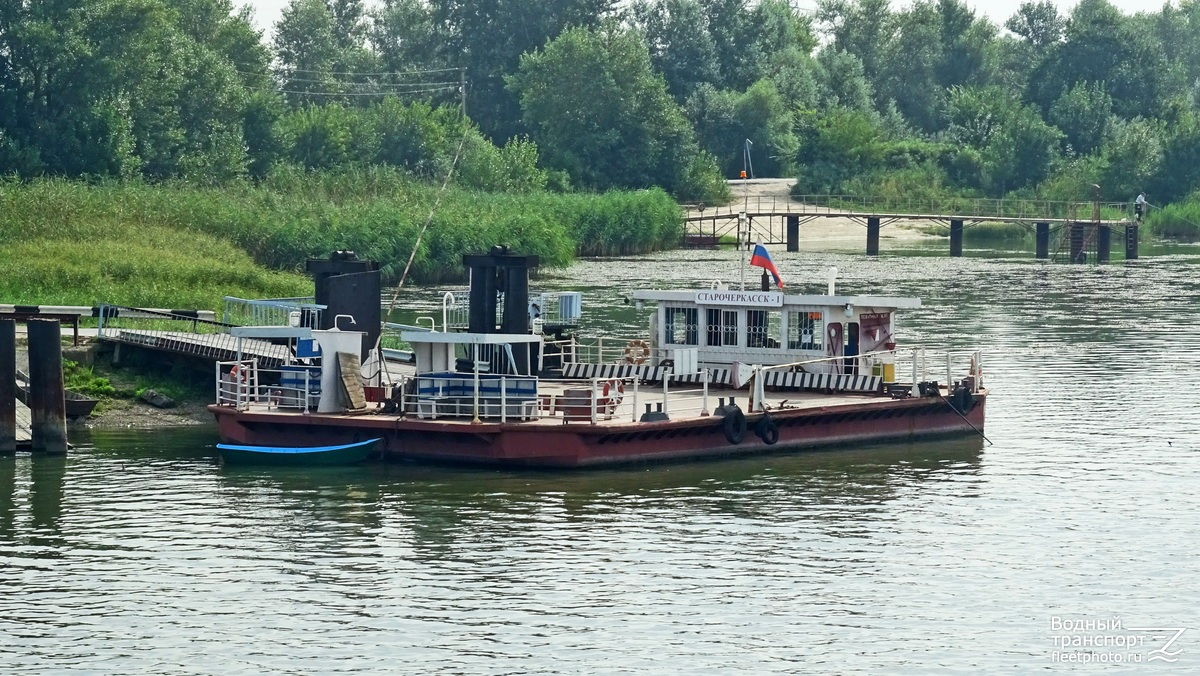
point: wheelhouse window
(762, 328)
(682, 326)
(722, 327)
(806, 330)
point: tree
(488, 37)
(1102, 45)
(725, 120)
(597, 111)
(680, 45)
(307, 52)
(1014, 146)
(1037, 23)
(1084, 114)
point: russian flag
(762, 259)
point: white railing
(476, 397)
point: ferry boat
(506, 380)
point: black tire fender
(767, 430)
(735, 426)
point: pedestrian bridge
(778, 220)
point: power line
(381, 73)
(374, 93)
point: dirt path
(819, 233)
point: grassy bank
(1176, 221)
(178, 244)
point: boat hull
(341, 454)
(581, 444)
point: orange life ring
(614, 392)
(637, 351)
(237, 374)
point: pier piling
(793, 233)
(1078, 238)
(872, 235)
(1103, 244)
(956, 237)
(8, 386)
(47, 404)
(1131, 242)
(1043, 240)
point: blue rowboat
(345, 454)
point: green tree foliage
(1038, 24)
(1084, 114)
(724, 120)
(599, 112)
(1008, 142)
(122, 87)
(681, 48)
(488, 37)
(1102, 45)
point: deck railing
(964, 207)
(273, 312)
(481, 397)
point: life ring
(637, 351)
(614, 392)
(735, 426)
(767, 430)
(237, 374)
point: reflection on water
(138, 552)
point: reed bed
(172, 244)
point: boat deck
(560, 402)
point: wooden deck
(24, 425)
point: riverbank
(125, 409)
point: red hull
(583, 444)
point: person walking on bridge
(1139, 206)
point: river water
(139, 553)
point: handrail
(966, 207)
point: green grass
(182, 245)
(1176, 221)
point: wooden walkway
(24, 425)
(214, 346)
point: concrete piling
(47, 403)
(873, 235)
(1103, 244)
(793, 233)
(956, 237)
(8, 386)
(1043, 240)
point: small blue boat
(345, 454)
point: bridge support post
(8, 386)
(793, 233)
(956, 237)
(1103, 243)
(1043, 240)
(47, 405)
(1078, 237)
(1131, 242)
(872, 235)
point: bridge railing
(965, 207)
(272, 312)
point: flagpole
(744, 217)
